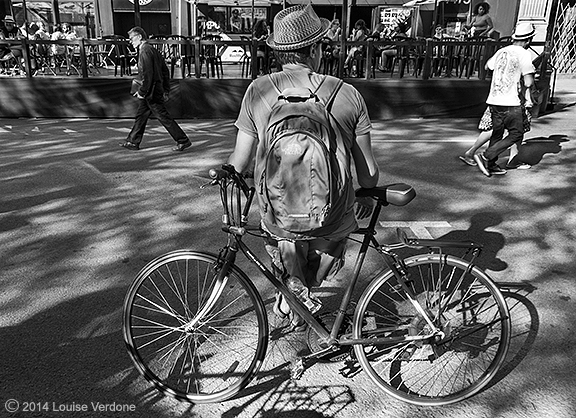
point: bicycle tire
(464, 303)
(215, 358)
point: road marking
(419, 228)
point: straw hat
(524, 31)
(9, 19)
(296, 27)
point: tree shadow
(73, 353)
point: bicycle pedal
(297, 369)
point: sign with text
(145, 5)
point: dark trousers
(155, 106)
(504, 117)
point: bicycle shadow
(273, 389)
(289, 399)
(525, 326)
(532, 150)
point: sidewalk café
(223, 48)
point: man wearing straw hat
(304, 261)
(512, 80)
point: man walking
(512, 79)
(304, 259)
(153, 86)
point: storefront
(235, 18)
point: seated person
(333, 35)
(58, 34)
(235, 22)
(390, 51)
(360, 33)
(261, 32)
(10, 31)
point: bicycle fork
(219, 286)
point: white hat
(297, 27)
(9, 19)
(524, 31)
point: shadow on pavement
(533, 150)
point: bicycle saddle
(397, 194)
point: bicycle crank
(331, 354)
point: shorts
(311, 261)
(486, 120)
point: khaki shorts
(311, 261)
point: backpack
(301, 177)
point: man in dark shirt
(153, 83)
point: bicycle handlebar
(228, 171)
(220, 177)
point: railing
(195, 57)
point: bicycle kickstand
(300, 365)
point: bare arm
(528, 80)
(242, 154)
(529, 90)
(366, 166)
(366, 171)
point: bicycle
(431, 329)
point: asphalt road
(79, 217)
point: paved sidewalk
(79, 217)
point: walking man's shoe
(182, 146)
(482, 164)
(497, 170)
(130, 145)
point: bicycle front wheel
(462, 302)
(196, 338)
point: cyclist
(304, 261)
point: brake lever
(210, 183)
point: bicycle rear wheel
(463, 302)
(194, 337)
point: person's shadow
(491, 242)
(532, 150)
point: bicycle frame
(429, 328)
(329, 338)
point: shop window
(533, 10)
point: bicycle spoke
(202, 359)
(468, 310)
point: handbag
(136, 84)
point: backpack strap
(329, 87)
(262, 96)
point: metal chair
(212, 57)
(118, 54)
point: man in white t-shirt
(512, 79)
